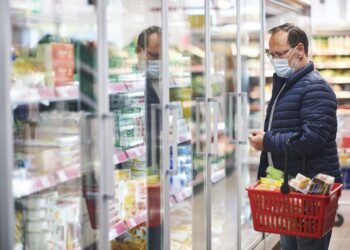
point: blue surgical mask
(153, 69)
(282, 68)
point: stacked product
(43, 150)
(51, 65)
(52, 221)
(135, 239)
(183, 178)
(130, 194)
(129, 121)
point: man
(303, 107)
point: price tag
(67, 92)
(45, 182)
(46, 93)
(115, 159)
(112, 234)
(122, 157)
(131, 222)
(115, 88)
(131, 153)
(62, 176)
(120, 228)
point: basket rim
(335, 189)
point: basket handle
(285, 186)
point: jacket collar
(296, 76)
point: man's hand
(256, 139)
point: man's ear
(300, 51)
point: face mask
(153, 69)
(282, 68)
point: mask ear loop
(293, 67)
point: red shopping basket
(294, 213)
(285, 212)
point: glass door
(234, 79)
(223, 95)
(186, 59)
(252, 53)
(58, 125)
(134, 30)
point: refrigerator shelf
(182, 195)
(117, 230)
(218, 175)
(126, 86)
(123, 226)
(29, 95)
(138, 151)
(332, 65)
(129, 154)
(184, 138)
(40, 183)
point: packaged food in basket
(321, 184)
(300, 183)
(270, 184)
(272, 181)
(262, 186)
(274, 173)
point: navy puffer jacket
(306, 109)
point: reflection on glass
(134, 86)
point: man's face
(152, 51)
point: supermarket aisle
(224, 217)
(341, 235)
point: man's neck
(303, 63)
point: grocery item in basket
(274, 173)
(300, 183)
(263, 186)
(321, 184)
(271, 182)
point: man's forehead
(280, 38)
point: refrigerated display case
(58, 136)
(113, 143)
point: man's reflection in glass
(148, 52)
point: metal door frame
(6, 146)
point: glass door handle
(213, 151)
(245, 110)
(108, 185)
(154, 133)
(231, 98)
(173, 108)
(198, 123)
(241, 136)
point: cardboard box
(59, 59)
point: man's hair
(295, 35)
(143, 36)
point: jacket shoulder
(314, 82)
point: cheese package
(59, 59)
(300, 183)
(321, 184)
